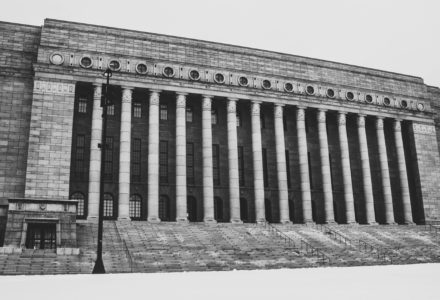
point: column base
(209, 221)
(352, 223)
(372, 223)
(330, 222)
(309, 222)
(390, 223)
(261, 221)
(236, 221)
(286, 222)
(153, 219)
(182, 220)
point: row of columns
(234, 190)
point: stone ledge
(10, 250)
(68, 251)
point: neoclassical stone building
(203, 131)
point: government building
(202, 132)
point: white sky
(398, 36)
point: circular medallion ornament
(288, 87)
(369, 98)
(349, 96)
(403, 103)
(420, 106)
(266, 84)
(219, 78)
(85, 62)
(310, 90)
(243, 81)
(141, 68)
(168, 72)
(114, 65)
(194, 75)
(330, 93)
(57, 58)
(386, 101)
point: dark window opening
(238, 117)
(218, 209)
(265, 175)
(80, 209)
(111, 110)
(82, 105)
(108, 159)
(189, 114)
(79, 156)
(216, 164)
(288, 169)
(136, 161)
(268, 210)
(41, 236)
(190, 163)
(214, 116)
(163, 112)
(164, 208)
(310, 170)
(244, 210)
(191, 207)
(163, 161)
(241, 166)
(108, 206)
(135, 207)
(137, 110)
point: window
(218, 209)
(164, 112)
(108, 158)
(214, 116)
(111, 110)
(191, 207)
(288, 168)
(243, 210)
(238, 115)
(163, 161)
(135, 206)
(262, 121)
(189, 114)
(310, 170)
(136, 161)
(79, 155)
(216, 164)
(108, 205)
(190, 163)
(82, 105)
(164, 211)
(265, 177)
(41, 236)
(80, 208)
(137, 110)
(241, 165)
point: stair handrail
(322, 257)
(335, 235)
(127, 252)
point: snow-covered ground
(391, 282)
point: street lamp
(99, 264)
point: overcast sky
(398, 36)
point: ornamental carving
(154, 98)
(361, 121)
(397, 125)
(97, 91)
(206, 103)
(424, 129)
(180, 101)
(300, 114)
(278, 111)
(55, 88)
(379, 123)
(321, 116)
(255, 109)
(341, 119)
(232, 106)
(126, 95)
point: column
(346, 171)
(208, 181)
(325, 167)
(153, 157)
(257, 159)
(366, 172)
(386, 183)
(181, 212)
(95, 154)
(234, 181)
(304, 165)
(124, 155)
(283, 192)
(407, 212)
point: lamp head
(107, 73)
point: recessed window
(404, 104)
(164, 112)
(386, 101)
(137, 110)
(349, 96)
(266, 84)
(369, 98)
(82, 105)
(288, 87)
(164, 208)
(108, 158)
(214, 116)
(265, 173)
(218, 209)
(219, 78)
(85, 62)
(163, 161)
(111, 110)
(136, 160)
(330, 93)
(190, 163)
(108, 205)
(141, 68)
(241, 166)
(168, 72)
(216, 164)
(194, 75)
(310, 90)
(135, 206)
(189, 114)
(78, 196)
(114, 65)
(57, 59)
(420, 106)
(243, 81)
(79, 155)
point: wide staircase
(139, 246)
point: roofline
(237, 46)
(21, 24)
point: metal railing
(333, 234)
(303, 245)
(126, 251)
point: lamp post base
(99, 267)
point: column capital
(301, 106)
(126, 87)
(301, 113)
(341, 118)
(361, 120)
(154, 97)
(181, 94)
(180, 101)
(255, 108)
(379, 122)
(126, 95)
(155, 91)
(278, 111)
(233, 99)
(322, 115)
(206, 103)
(232, 106)
(97, 90)
(206, 96)
(397, 125)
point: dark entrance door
(41, 236)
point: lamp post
(99, 264)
